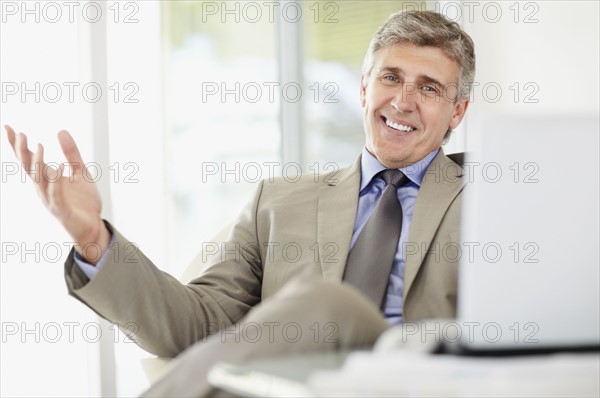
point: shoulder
(294, 179)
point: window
(336, 37)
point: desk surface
(408, 373)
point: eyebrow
(420, 78)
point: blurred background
(182, 106)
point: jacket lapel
(441, 183)
(338, 202)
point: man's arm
(164, 315)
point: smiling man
(367, 240)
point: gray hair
(428, 28)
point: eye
(389, 79)
(429, 89)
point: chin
(390, 160)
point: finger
(42, 185)
(10, 133)
(24, 154)
(18, 147)
(69, 148)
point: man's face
(409, 103)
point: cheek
(438, 118)
(376, 99)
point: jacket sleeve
(164, 315)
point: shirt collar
(370, 166)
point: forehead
(415, 61)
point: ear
(363, 90)
(460, 108)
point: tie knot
(393, 176)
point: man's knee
(329, 313)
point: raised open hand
(73, 199)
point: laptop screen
(529, 268)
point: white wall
(45, 333)
(556, 54)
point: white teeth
(397, 126)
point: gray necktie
(370, 260)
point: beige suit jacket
(288, 228)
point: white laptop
(529, 274)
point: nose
(405, 99)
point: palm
(76, 202)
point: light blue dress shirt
(370, 191)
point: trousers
(305, 316)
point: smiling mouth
(396, 126)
